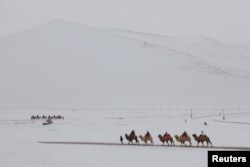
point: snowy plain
(107, 82)
(20, 136)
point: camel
(166, 138)
(35, 117)
(48, 121)
(131, 137)
(201, 139)
(146, 138)
(44, 117)
(182, 139)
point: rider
(166, 134)
(202, 134)
(132, 132)
(184, 134)
(147, 134)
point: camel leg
(209, 142)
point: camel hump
(184, 136)
(203, 136)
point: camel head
(160, 137)
(194, 135)
(177, 137)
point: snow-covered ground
(20, 136)
(107, 82)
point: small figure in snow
(121, 139)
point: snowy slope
(63, 64)
(218, 57)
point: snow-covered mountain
(65, 64)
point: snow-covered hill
(122, 80)
(64, 64)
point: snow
(107, 82)
(21, 136)
(64, 64)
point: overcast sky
(226, 20)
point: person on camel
(165, 134)
(202, 134)
(147, 134)
(132, 132)
(184, 134)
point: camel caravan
(183, 139)
(47, 118)
(37, 117)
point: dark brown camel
(131, 137)
(166, 138)
(201, 139)
(183, 138)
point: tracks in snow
(143, 145)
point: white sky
(227, 20)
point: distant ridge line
(143, 145)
